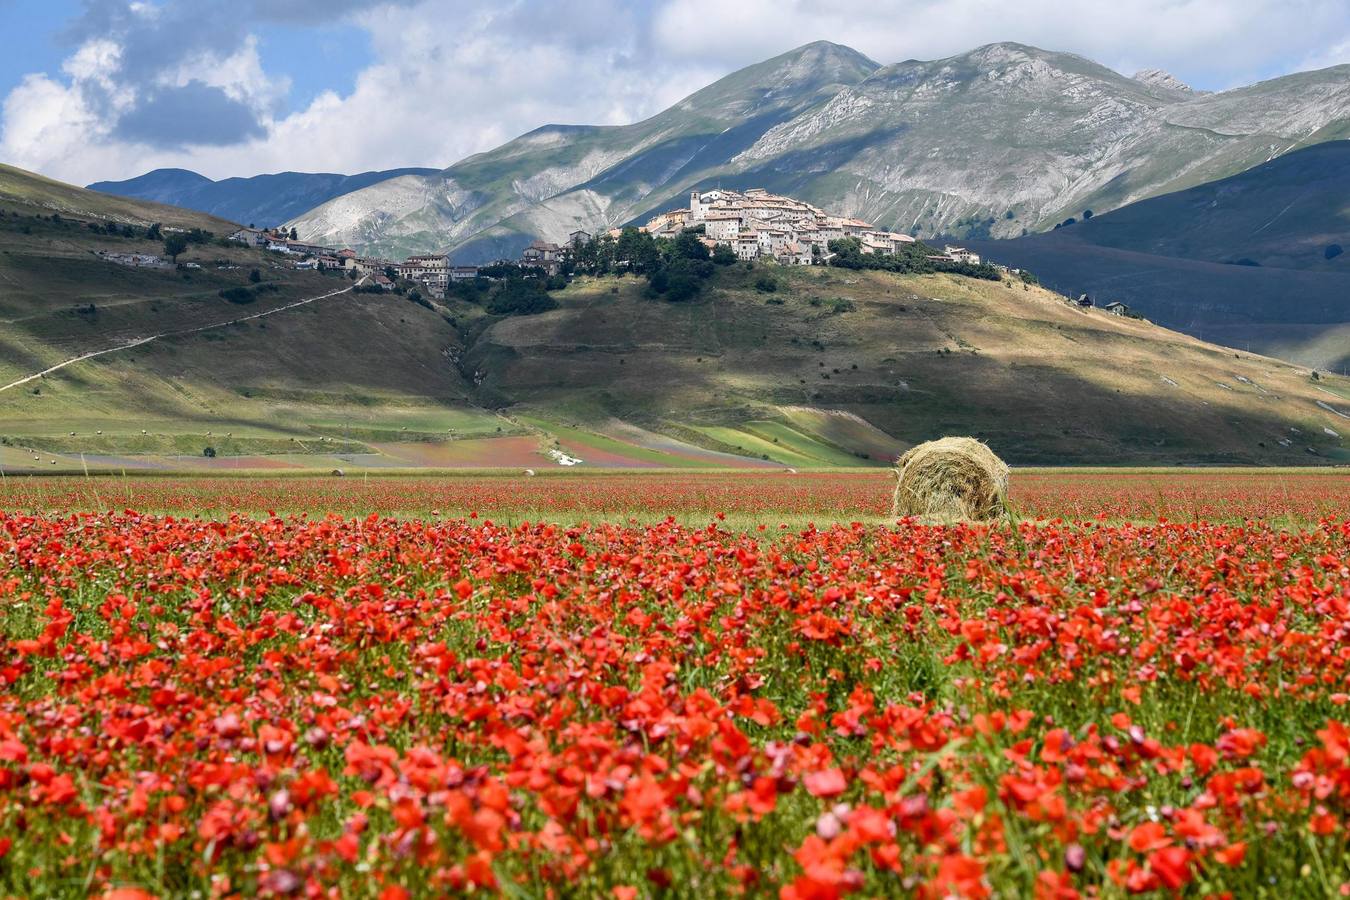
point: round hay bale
(338, 473)
(949, 480)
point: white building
(253, 237)
(962, 255)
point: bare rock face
(991, 143)
(1165, 80)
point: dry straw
(950, 480)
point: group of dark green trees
(914, 259)
(677, 269)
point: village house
(253, 237)
(543, 255)
(795, 254)
(962, 255)
(429, 269)
(578, 237)
(463, 273)
(1116, 308)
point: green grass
(755, 445)
(807, 445)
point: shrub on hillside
(519, 297)
(915, 258)
(239, 295)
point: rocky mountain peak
(1160, 79)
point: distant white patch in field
(561, 458)
(1226, 387)
(1167, 380)
(1330, 432)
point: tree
(723, 255)
(295, 235)
(1087, 214)
(638, 250)
(255, 276)
(152, 233)
(175, 244)
(689, 245)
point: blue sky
(94, 89)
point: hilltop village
(754, 225)
(759, 225)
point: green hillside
(913, 357)
(835, 367)
(1292, 212)
(28, 192)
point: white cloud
(48, 127)
(1337, 55)
(454, 77)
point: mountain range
(996, 142)
(261, 200)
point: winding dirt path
(176, 333)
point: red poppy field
(428, 705)
(748, 499)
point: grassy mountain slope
(263, 200)
(1258, 259)
(29, 192)
(1288, 213)
(318, 373)
(996, 141)
(916, 357)
(795, 377)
